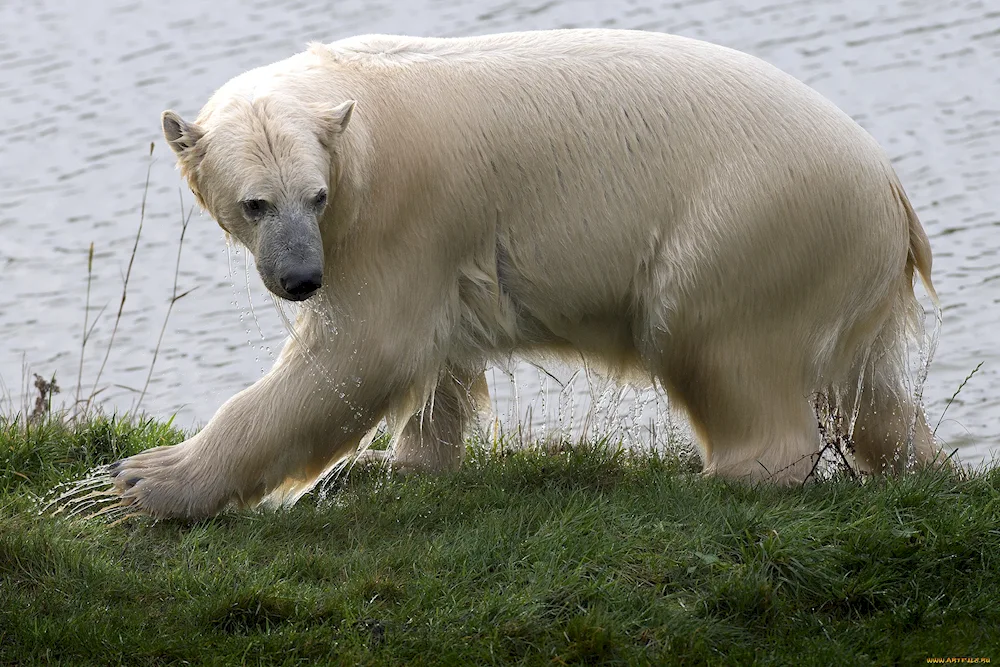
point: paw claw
(132, 481)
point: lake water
(82, 85)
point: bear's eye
(253, 208)
(319, 200)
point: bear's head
(264, 169)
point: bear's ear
(337, 118)
(181, 135)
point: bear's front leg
(433, 439)
(310, 410)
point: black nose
(300, 283)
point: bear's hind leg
(888, 415)
(750, 411)
(784, 449)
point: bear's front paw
(385, 460)
(167, 482)
(376, 458)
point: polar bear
(665, 207)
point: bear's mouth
(295, 297)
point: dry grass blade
(87, 329)
(174, 298)
(128, 274)
(955, 395)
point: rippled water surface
(82, 86)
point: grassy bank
(581, 556)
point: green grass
(585, 556)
